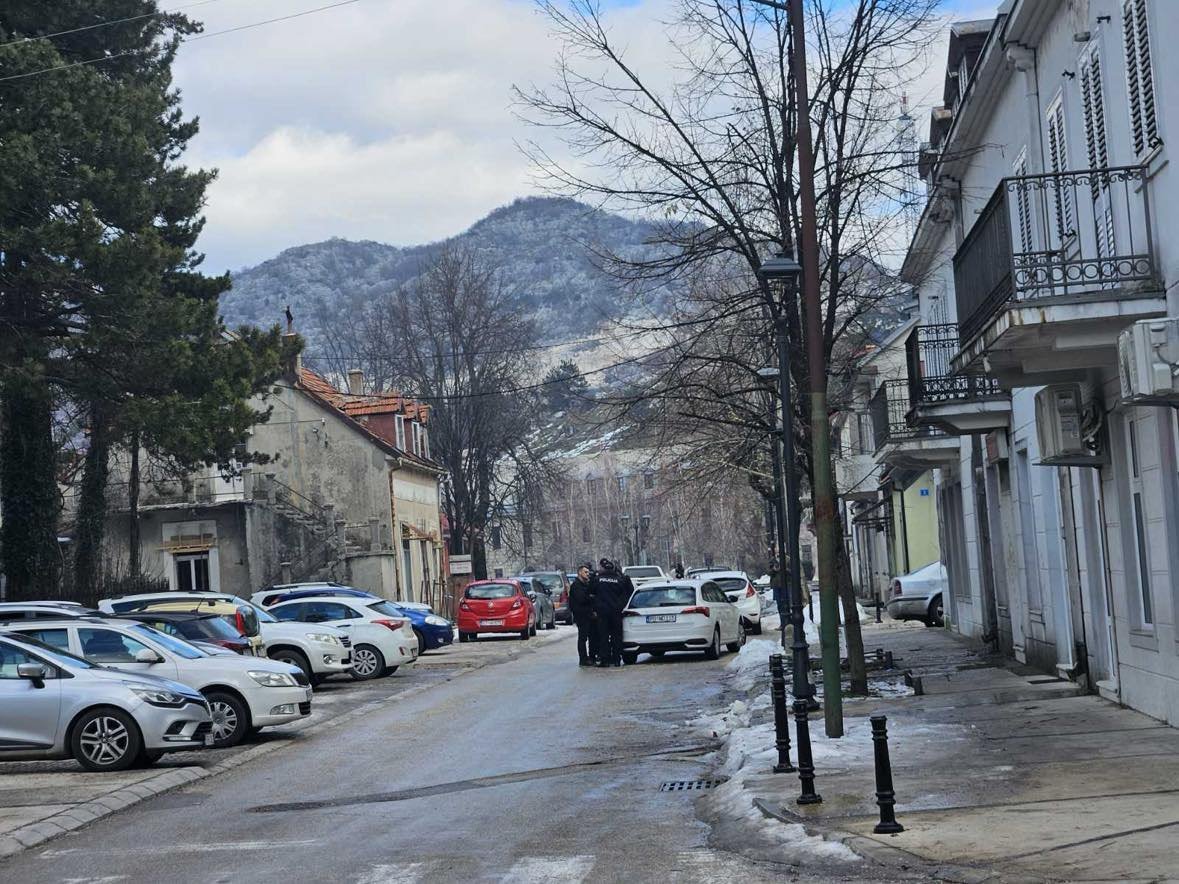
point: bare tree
(455, 338)
(711, 155)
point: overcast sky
(383, 119)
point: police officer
(612, 592)
(581, 606)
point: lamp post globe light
(784, 270)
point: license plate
(208, 741)
(661, 618)
(491, 623)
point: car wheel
(552, 623)
(755, 628)
(231, 719)
(734, 647)
(367, 662)
(526, 633)
(714, 649)
(532, 630)
(935, 616)
(421, 641)
(106, 739)
(630, 658)
(464, 637)
(294, 658)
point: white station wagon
(681, 615)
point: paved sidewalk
(42, 799)
(1000, 774)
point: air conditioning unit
(1148, 362)
(1068, 426)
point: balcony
(900, 443)
(958, 404)
(856, 475)
(1055, 266)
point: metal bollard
(806, 763)
(885, 796)
(781, 716)
(888, 661)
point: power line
(112, 57)
(107, 24)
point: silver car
(57, 705)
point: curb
(86, 812)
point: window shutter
(1023, 205)
(1144, 129)
(1093, 104)
(1058, 158)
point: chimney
(356, 382)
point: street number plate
(491, 623)
(661, 618)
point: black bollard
(806, 763)
(888, 661)
(781, 716)
(885, 796)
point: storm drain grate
(689, 785)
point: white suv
(382, 638)
(245, 694)
(318, 650)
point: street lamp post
(786, 270)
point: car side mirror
(147, 655)
(532, 596)
(34, 672)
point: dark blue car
(432, 631)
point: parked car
(640, 574)
(320, 651)
(918, 595)
(382, 638)
(232, 610)
(57, 705)
(740, 591)
(542, 600)
(195, 628)
(431, 630)
(498, 606)
(16, 612)
(684, 615)
(558, 586)
(272, 594)
(245, 694)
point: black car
(208, 628)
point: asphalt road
(529, 770)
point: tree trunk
(857, 668)
(29, 502)
(92, 509)
(133, 563)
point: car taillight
(750, 592)
(517, 604)
(699, 609)
(232, 645)
(630, 613)
(395, 625)
(896, 587)
(463, 606)
(240, 622)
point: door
(31, 714)
(727, 615)
(192, 572)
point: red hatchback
(495, 606)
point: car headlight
(437, 621)
(272, 679)
(158, 696)
(323, 637)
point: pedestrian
(612, 592)
(679, 570)
(581, 606)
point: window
(496, 537)
(595, 487)
(58, 638)
(1097, 147)
(648, 480)
(108, 646)
(1023, 203)
(585, 532)
(622, 483)
(12, 657)
(1138, 514)
(288, 613)
(425, 442)
(323, 612)
(1058, 162)
(192, 573)
(399, 425)
(1144, 124)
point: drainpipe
(1023, 60)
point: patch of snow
(738, 715)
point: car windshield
(664, 597)
(387, 608)
(177, 646)
(210, 626)
(491, 591)
(643, 571)
(57, 655)
(551, 582)
(730, 584)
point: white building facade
(1045, 238)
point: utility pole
(822, 492)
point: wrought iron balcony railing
(889, 407)
(928, 352)
(1060, 235)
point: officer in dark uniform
(581, 606)
(612, 592)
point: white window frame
(399, 425)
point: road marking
(176, 848)
(392, 873)
(550, 870)
(104, 879)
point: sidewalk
(1000, 774)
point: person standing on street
(581, 606)
(679, 570)
(612, 591)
